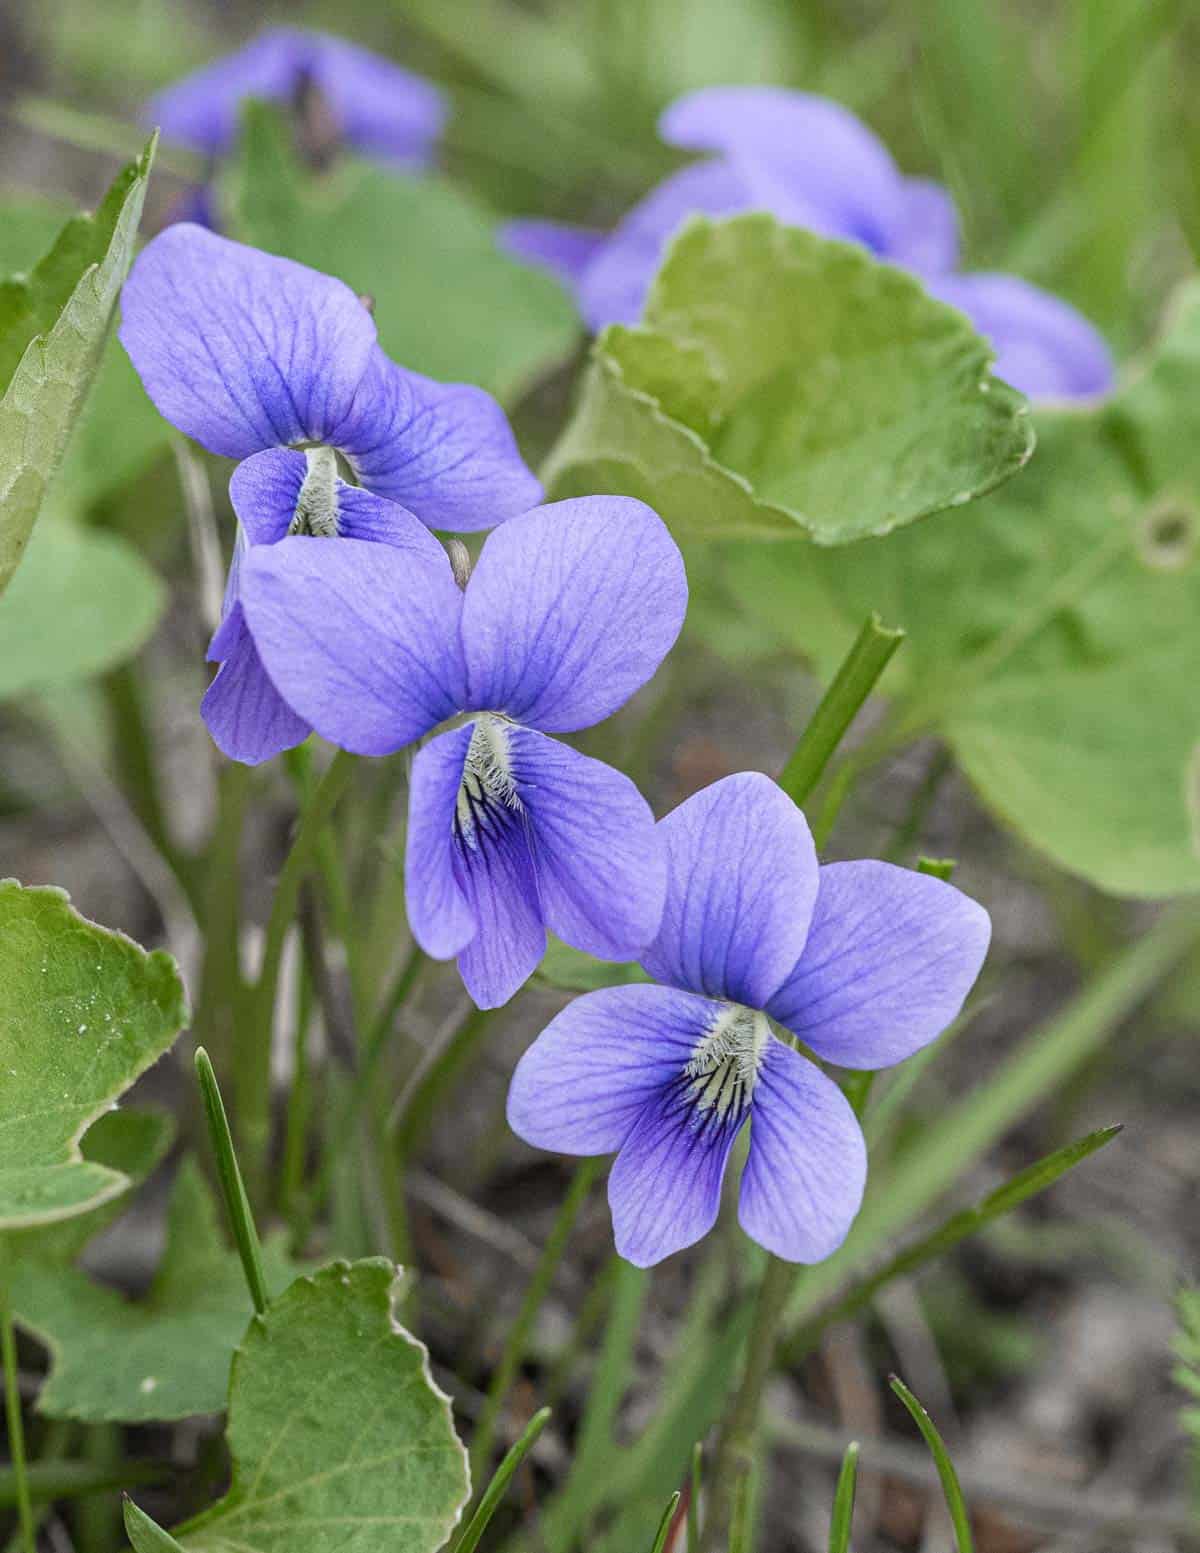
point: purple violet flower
(812, 163)
(244, 351)
(375, 106)
(569, 610)
(863, 962)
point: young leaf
(164, 1356)
(1055, 645)
(783, 385)
(82, 602)
(83, 1011)
(447, 301)
(339, 1437)
(53, 325)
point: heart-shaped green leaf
(340, 1439)
(164, 1356)
(82, 602)
(781, 384)
(83, 1011)
(1055, 642)
(53, 326)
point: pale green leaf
(573, 971)
(146, 1535)
(164, 1356)
(340, 1439)
(783, 385)
(447, 301)
(83, 601)
(131, 1141)
(83, 1011)
(53, 326)
(29, 223)
(1055, 642)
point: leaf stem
(233, 1189)
(858, 675)
(254, 1045)
(12, 1408)
(518, 1337)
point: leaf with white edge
(447, 300)
(782, 385)
(83, 1012)
(53, 327)
(161, 1357)
(83, 601)
(131, 1141)
(341, 1442)
(1055, 643)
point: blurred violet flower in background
(247, 352)
(354, 96)
(569, 610)
(864, 962)
(812, 163)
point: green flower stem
(222, 987)
(414, 1110)
(505, 1373)
(12, 1407)
(233, 1190)
(734, 1458)
(360, 1090)
(254, 1044)
(855, 679)
(733, 1465)
(299, 1107)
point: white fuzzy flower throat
(724, 1067)
(487, 779)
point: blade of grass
(1026, 1184)
(518, 1337)
(966, 1131)
(664, 1526)
(233, 1190)
(12, 1413)
(495, 1490)
(949, 1478)
(843, 1501)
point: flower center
(487, 780)
(724, 1066)
(317, 504)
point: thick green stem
(853, 683)
(254, 1044)
(505, 1373)
(12, 1406)
(736, 1441)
